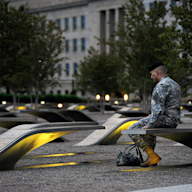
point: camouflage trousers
(145, 141)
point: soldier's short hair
(162, 69)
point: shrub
(47, 98)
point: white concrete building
(83, 20)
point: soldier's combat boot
(152, 159)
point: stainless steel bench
(22, 139)
(181, 135)
(9, 122)
(60, 115)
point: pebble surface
(94, 169)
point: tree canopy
(178, 42)
(99, 73)
(137, 44)
(30, 49)
(16, 32)
(45, 53)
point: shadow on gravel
(61, 164)
(158, 168)
(56, 165)
(57, 155)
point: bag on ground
(128, 159)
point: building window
(103, 28)
(184, 30)
(58, 92)
(74, 23)
(75, 67)
(151, 5)
(67, 24)
(66, 92)
(59, 23)
(173, 2)
(67, 46)
(83, 44)
(75, 45)
(51, 92)
(162, 3)
(83, 22)
(67, 69)
(111, 25)
(60, 70)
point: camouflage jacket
(166, 101)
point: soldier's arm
(158, 104)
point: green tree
(99, 73)
(137, 43)
(178, 43)
(46, 53)
(30, 50)
(16, 32)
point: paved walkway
(64, 167)
(178, 188)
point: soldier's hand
(145, 127)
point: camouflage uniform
(165, 111)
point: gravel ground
(93, 168)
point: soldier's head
(157, 71)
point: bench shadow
(158, 168)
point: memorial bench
(181, 135)
(60, 115)
(22, 139)
(9, 122)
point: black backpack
(128, 159)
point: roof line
(58, 7)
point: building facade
(84, 21)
